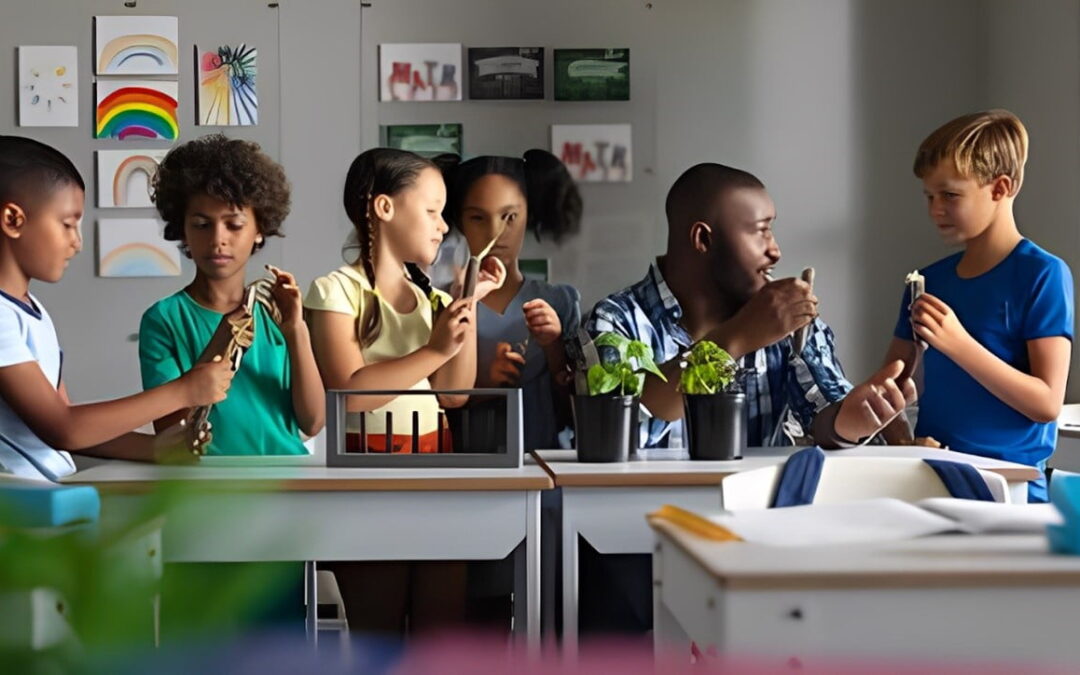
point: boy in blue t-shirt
(997, 318)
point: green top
(257, 417)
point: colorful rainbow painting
(124, 177)
(136, 45)
(133, 247)
(227, 95)
(128, 109)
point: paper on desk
(989, 517)
(864, 521)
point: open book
(865, 521)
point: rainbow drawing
(131, 109)
(133, 247)
(136, 45)
(124, 177)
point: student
(221, 198)
(521, 325)
(714, 283)
(376, 324)
(41, 209)
(997, 316)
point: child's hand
(936, 323)
(870, 406)
(491, 277)
(451, 327)
(286, 294)
(177, 444)
(207, 383)
(542, 321)
(505, 370)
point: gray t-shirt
(541, 424)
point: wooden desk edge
(640, 479)
(468, 484)
(543, 465)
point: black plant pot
(605, 427)
(715, 427)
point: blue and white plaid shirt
(782, 393)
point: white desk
(319, 513)
(980, 599)
(606, 503)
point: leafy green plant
(707, 369)
(624, 376)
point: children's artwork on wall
(48, 86)
(227, 95)
(134, 247)
(424, 139)
(124, 177)
(136, 45)
(506, 73)
(594, 153)
(420, 72)
(534, 268)
(592, 74)
(136, 109)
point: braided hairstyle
(554, 203)
(379, 171)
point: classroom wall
(826, 100)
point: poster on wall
(226, 92)
(423, 139)
(124, 177)
(48, 86)
(136, 45)
(592, 74)
(594, 153)
(134, 247)
(420, 72)
(506, 73)
(136, 110)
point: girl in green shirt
(220, 198)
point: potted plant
(612, 371)
(714, 407)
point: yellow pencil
(692, 522)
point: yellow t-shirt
(347, 290)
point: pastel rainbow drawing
(137, 112)
(138, 259)
(143, 52)
(127, 168)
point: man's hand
(874, 403)
(770, 315)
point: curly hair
(235, 171)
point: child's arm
(47, 413)
(337, 352)
(1038, 396)
(308, 396)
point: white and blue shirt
(27, 334)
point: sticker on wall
(134, 247)
(424, 139)
(124, 177)
(136, 45)
(227, 95)
(420, 72)
(48, 86)
(506, 73)
(136, 109)
(594, 153)
(592, 74)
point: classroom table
(1067, 453)
(318, 513)
(979, 599)
(605, 503)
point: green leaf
(601, 381)
(613, 340)
(710, 369)
(630, 381)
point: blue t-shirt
(1028, 295)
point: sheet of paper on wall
(48, 86)
(420, 72)
(595, 153)
(137, 109)
(428, 140)
(136, 45)
(506, 73)
(124, 177)
(227, 94)
(592, 74)
(135, 247)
